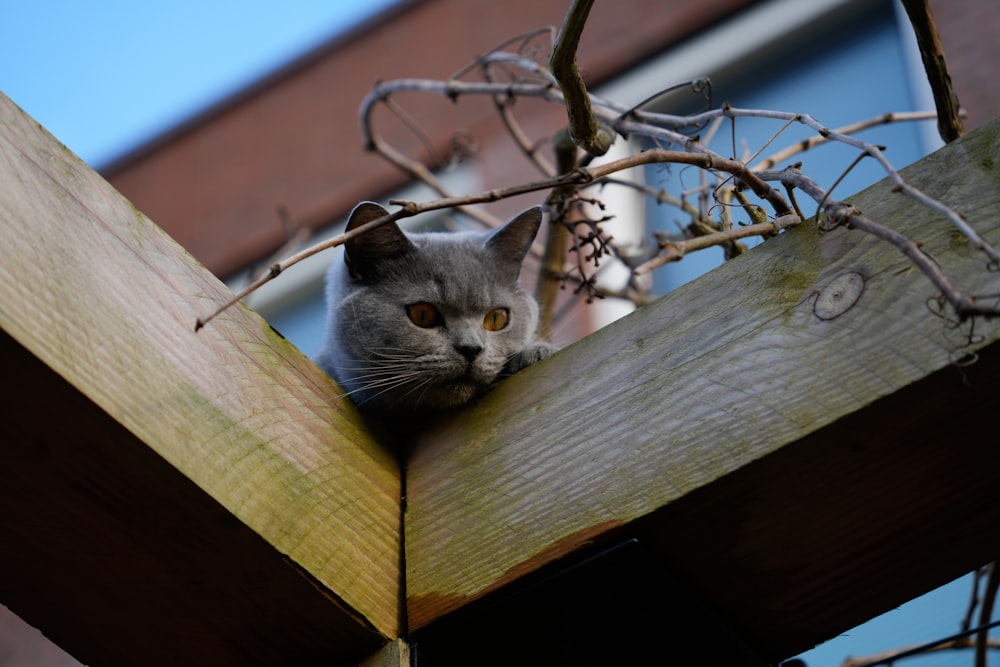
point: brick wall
(970, 34)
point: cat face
(426, 321)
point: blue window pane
(847, 75)
(303, 322)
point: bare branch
(500, 50)
(577, 177)
(409, 209)
(889, 657)
(722, 179)
(583, 126)
(504, 106)
(419, 172)
(818, 140)
(675, 250)
(932, 53)
(977, 574)
(838, 213)
(559, 203)
(986, 611)
(870, 149)
(659, 126)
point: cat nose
(469, 351)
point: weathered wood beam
(170, 497)
(394, 654)
(801, 473)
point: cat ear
(363, 252)
(513, 241)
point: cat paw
(526, 357)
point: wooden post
(170, 497)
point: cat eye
(496, 319)
(424, 315)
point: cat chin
(452, 393)
(442, 395)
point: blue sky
(104, 76)
(930, 617)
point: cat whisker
(384, 376)
(424, 385)
(390, 383)
(392, 355)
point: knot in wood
(839, 296)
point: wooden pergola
(724, 477)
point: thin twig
(276, 269)
(525, 39)
(838, 213)
(956, 641)
(504, 106)
(295, 238)
(891, 657)
(986, 611)
(408, 209)
(873, 151)
(818, 140)
(418, 171)
(658, 126)
(970, 610)
(662, 128)
(577, 177)
(675, 250)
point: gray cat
(429, 321)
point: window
(840, 62)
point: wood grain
(99, 294)
(730, 370)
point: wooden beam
(802, 473)
(394, 654)
(168, 496)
